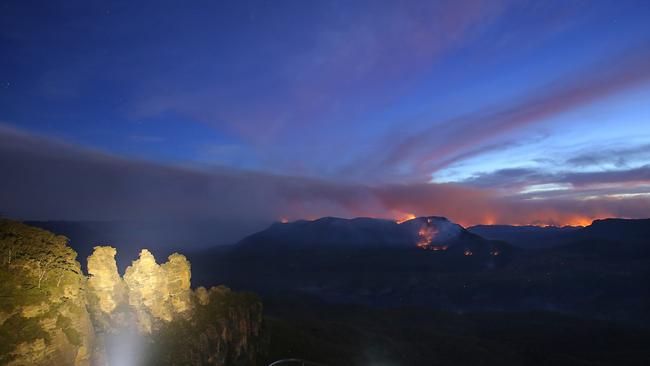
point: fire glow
(404, 218)
(426, 235)
(542, 219)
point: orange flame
(427, 234)
(404, 217)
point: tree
(36, 252)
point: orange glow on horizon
(579, 221)
(562, 221)
(559, 221)
(543, 219)
(490, 220)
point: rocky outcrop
(177, 276)
(178, 326)
(225, 329)
(148, 291)
(158, 292)
(50, 314)
(106, 290)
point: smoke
(46, 179)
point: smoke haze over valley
(90, 185)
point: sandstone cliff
(225, 329)
(51, 314)
(106, 290)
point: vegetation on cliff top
(41, 292)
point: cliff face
(158, 292)
(148, 291)
(178, 326)
(225, 329)
(51, 314)
(177, 277)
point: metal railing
(296, 361)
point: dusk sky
(510, 112)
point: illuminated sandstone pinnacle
(178, 273)
(158, 292)
(148, 292)
(104, 282)
(154, 292)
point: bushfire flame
(405, 217)
(426, 234)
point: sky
(513, 112)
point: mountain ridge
(424, 232)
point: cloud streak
(620, 157)
(517, 179)
(48, 179)
(444, 142)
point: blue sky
(504, 96)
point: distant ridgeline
(51, 314)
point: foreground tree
(43, 318)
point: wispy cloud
(428, 150)
(517, 178)
(619, 157)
